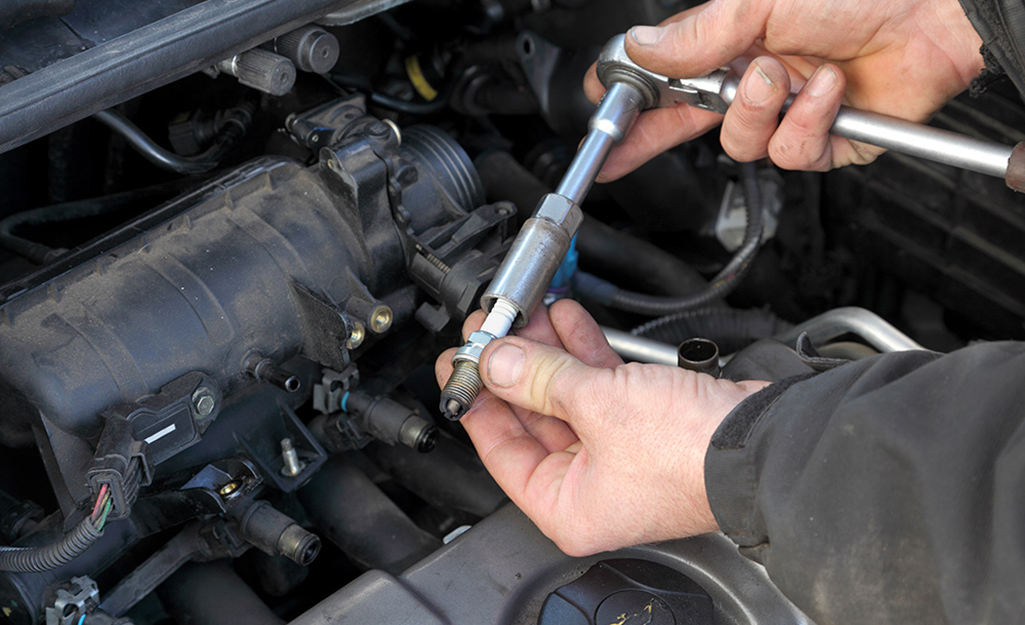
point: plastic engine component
(618, 591)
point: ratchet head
(713, 92)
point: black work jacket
(886, 490)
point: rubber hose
(731, 329)
(233, 127)
(52, 556)
(629, 260)
(40, 253)
(722, 284)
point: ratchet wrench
(715, 92)
(541, 244)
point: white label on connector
(161, 434)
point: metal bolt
(359, 332)
(293, 465)
(228, 489)
(381, 319)
(204, 402)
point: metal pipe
(640, 349)
(875, 330)
(826, 327)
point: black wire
(423, 109)
(721, 285)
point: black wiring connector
(120, 467)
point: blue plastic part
(345, 400)
(564, 276)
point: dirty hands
(904, 58)
(598, 454)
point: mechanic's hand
(904, 58)
(598, 454)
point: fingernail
(505, 365)
(647, 35)
(821, 82)
(759, 87)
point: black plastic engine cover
(629, 591)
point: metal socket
(535, 256)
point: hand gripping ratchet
(542, 243)
(716, 91)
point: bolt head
(381, 319)
(204, 402)
(359, 333)
(473, 348)
(228, 489)
(559, 210)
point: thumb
(538, 377)
(709, 38)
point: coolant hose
(722, 284)
(52, 556)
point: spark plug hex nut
(474, 347)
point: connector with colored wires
(101, 510)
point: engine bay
(237, 234)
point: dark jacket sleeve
(887, 490)
(1001, 24)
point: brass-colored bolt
(381, 319)
(228, 489)
(359, 332)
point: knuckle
(797, 150)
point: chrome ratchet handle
(716, 91)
